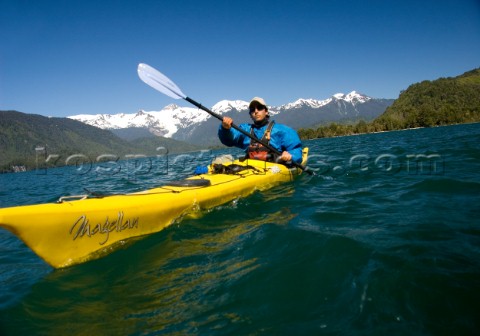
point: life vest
(258, 151)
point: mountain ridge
(191, 125)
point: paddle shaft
(251, 136)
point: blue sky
(61, 58)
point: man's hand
(227, 122)
(286, 156)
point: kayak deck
(75, 231)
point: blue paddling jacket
(282, 138)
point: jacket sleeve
(232, 137)
(287, 139)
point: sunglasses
(258, 108)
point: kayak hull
(75, 231)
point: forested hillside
(21, 134)
(443, 101)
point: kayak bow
(75, 231)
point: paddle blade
(159, 81)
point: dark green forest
(22, 136)
(444, 101)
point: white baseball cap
(258, 100)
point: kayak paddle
(162, 83)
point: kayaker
(281, 137)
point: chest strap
(267, 134)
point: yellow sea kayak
(75, 231)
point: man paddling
(283, 138)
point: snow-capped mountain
(353, 97)
(161, 123)
(312, 103)
(193, 125)
(225, 106)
